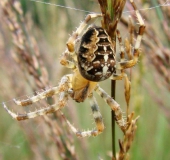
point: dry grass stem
(149, 78)
(112, 12)
(26, 54)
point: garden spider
(92, 60)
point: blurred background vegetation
(50, 26)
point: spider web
(165, 4)
(44, 103)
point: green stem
(113, 88)
(110, 9)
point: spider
(91, 56)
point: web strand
(166, 4)
(57, 5)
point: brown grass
(28, 65)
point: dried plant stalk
(156, 51)
(27, 56)
(112, 11)
(156, 60)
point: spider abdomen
(96, 58)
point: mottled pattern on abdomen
(96, 58)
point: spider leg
(123, 64)
(70, 50)
(63, 85)
(96, 113)
(97, 118)
(113, 105)
(131, 63)
(47, 93)
(43, 111)
(63, 88)
(123, 75)
(128, 42)
(127, 86)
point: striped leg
(123, 64)
(62, 89)
(43, 111)
(47, 93)
(73, 41)
(127, 86)
(97, 118)
(96, 114)
(114, 106)
(63, 86)
(131, 63)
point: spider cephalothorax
(96, 57)
(91, 57)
